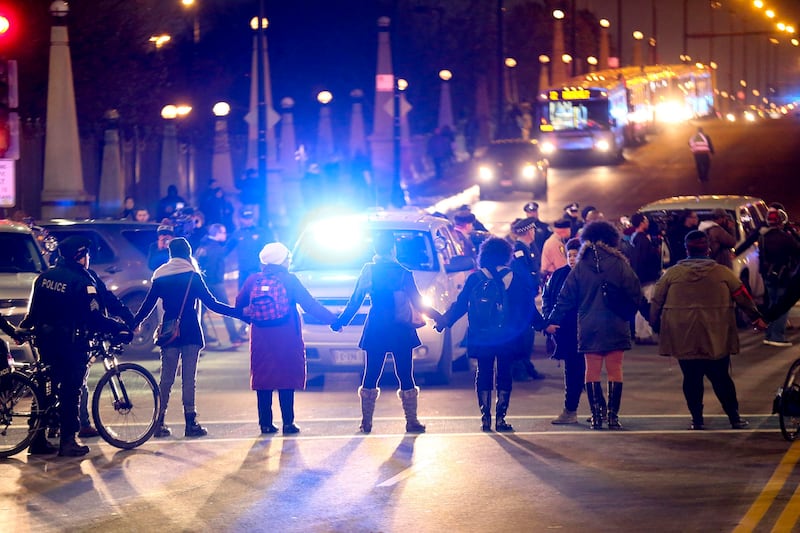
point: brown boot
(368, 399)
(409, 400)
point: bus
(602, 112)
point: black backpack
(487, 310)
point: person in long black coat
(383, 280)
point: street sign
(8, 189)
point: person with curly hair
(601, 279)
(495, 345)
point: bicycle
(125, 402)
(787, 403)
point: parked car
(21, 261)
(512, 165)
(120, 259)
(328, 258)
(747, 212)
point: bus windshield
(578, 115)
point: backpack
(269, 301)
(487, 309)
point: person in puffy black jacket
(501, 344)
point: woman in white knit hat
(277, 353)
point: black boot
(40, 446)
(485, 405)
(286, 400)
(503, 396)
(69, 448)
(193, 429)
(162, 430)
(614, 399)
(597, 403)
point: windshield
(577, 115)
(326, 247)
(20, 254)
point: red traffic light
(5, 25)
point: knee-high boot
(597, 403)
(503, 397)
(368, 398)
(614, 399)
(485, 405)
(408, 398)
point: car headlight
(731, 117)
(529, 171)
(547, 147)
(485, 173)
(749, 117)
(602, 145)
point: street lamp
(604, 44)
(160, 40)
(544, 74)
(559, 75)
(510, 79)
(325, 131)
(170, 164)
(637, 48)
(191, 4)
(445, 100)
(592, 61)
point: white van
(328, 258)
(747, 212)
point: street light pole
(500, 67)
(262, 112)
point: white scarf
(176, 265)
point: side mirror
(460, 263)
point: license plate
(506, 183)
(348, 357)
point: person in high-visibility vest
(700, 144)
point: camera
(183, 220)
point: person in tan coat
(693, 310)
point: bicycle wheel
(19, 414)
(789, 404)
(125, 406)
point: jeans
(187, 355)
(776, 331)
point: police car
(328, 258)
(21, 261)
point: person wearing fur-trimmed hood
(603, 333)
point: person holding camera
(64, 312)
(179, 286)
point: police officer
(112, 307)
(249, 240)
(541, 231)
(702, 149)
(64, 310)
(526, 262)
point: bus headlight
(485, 173)
(529, 171)
(547, 147)
(602, 145)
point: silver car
(328, 258)
(21, 261)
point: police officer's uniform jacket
(249, 240)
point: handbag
(169, 330)
(404, 311)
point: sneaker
(566, 417)
(779, 344)
(72, 449)
(266, 430)
(696, 426)
(740, 424)
(87, 432)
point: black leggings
(403, 369)
(486, 371)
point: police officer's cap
(75, 248)
(523, 226)
(562, 223)
(531, 207)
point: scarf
(175, 265)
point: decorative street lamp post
(221, 164)
(637, 48)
